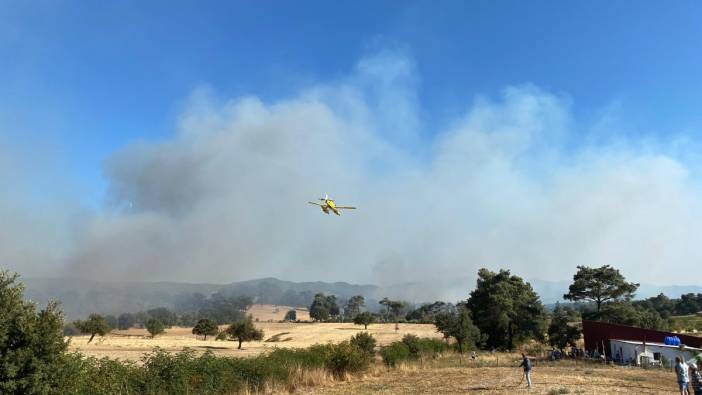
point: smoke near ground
(517, 181)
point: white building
(627, 351)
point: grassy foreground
(451, 375)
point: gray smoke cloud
(515, 182)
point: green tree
(393, 308)
(31, 342)
(460, 326)
(353, 306)
(560, 333)
(626, 313)
(167, 317)
(600, 285)
(291, 315)
(155, 327)
(125, 321)
(427, 312)
(364, 319)
(319, 309)
(506, 309)
(245, 331)
(323, 307)
(94, 325)
(205, 327)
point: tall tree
(506, 309)
(599, 285)
(460, 326)
(393, 308)
(353, 306)
(323, 307)
(318, 309)
(560, 332)
(245, 331)
(31, 342)
(291, 315)
(94, 325)
(205, 327)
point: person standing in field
(682, 373)
(526, 364)
(695, 379)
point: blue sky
(93, 77)
(568, 133)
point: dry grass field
(452, 377)
(446, 375)
(133, 343)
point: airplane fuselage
(330, 205)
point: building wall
(632, 351)
(597, 333)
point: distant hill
(80, 297)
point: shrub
(394, 353)
(346, 358)
(432, 347)
(412, 343)
(364, 342)
(222, 335)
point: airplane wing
(316, 204)
(346, 207)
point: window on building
(656, 356)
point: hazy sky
(181, 141)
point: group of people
(689, 378)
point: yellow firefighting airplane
(328, 204)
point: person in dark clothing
(695, 379)
(526, 364)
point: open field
(452, 377)
(133, 343)
(269, 312)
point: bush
(412, 343)
(222, 335)
(364, 342)
(394, 353)
(346, 358)
(432, 347)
